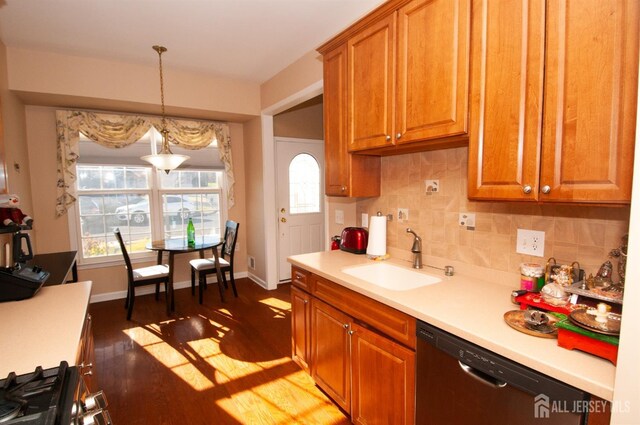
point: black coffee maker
(22, 251)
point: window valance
(118, 131)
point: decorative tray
(598, 294)
(515, 319)
(586, 318)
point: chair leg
(224, 279)
(233, 282)
(193, 281)
(221, 291)
(168, 297)
(126, 300)
(132, 296)
(157, 291)
(202, 282)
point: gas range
(56, 396)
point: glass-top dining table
(180, 246)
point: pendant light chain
(160, 50)
(165, 159)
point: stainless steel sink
(390, 276)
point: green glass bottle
(191, 234)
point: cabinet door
(330, 367)
(335, 126)
(433, 69)
(590, 100)
(300, 328)
(383, 379)
(345, 174)
(371, 64)
(86, 355)
(507, 45)
(3, 167)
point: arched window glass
(304, 185)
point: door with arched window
(300, 176)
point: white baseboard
(150, 289)
(257, 280)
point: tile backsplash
(572, 232)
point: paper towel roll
(377, 236)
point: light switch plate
(431, 186)
(339, 217)
(530, 242)
(467, 220)
(403, 215)
(365, 220)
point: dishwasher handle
(482, 377)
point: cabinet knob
(346, 326)
(306, 301)
(526, 189)
(388, 138)
(343, 188)
(284, 220)
(398, 135)
(351, 332)
(546, 189)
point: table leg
(160, 257)
(170, 285)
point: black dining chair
(142, 276)
(206, 266)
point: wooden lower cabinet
(383, 379)
(368, 374)
(330, 359)
(86, 355)
(300, 327)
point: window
(304, 184)
(146, 204)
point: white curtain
(118, 131)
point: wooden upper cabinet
(3, 167)
(345, 174)
(335, 117)
(565, 134)
(371, 65)
(590, 101)
(432, 70)
(507, 71)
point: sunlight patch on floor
(171, 358)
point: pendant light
(165, 159)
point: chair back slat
(230, 239)
(125, 254)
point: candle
(7, 255)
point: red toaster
(354, 240)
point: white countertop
(43, 330)
(472, 308)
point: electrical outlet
(431, 186)
(403, 215)
(339, 217)
(530, 242)
(365, 220)
(467, 220)
(252, 262)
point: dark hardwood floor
(216, 363)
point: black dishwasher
(461, 383)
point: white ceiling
(245, 39)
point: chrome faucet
(416, 249)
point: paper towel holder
(389, 216)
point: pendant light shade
(165, 159)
